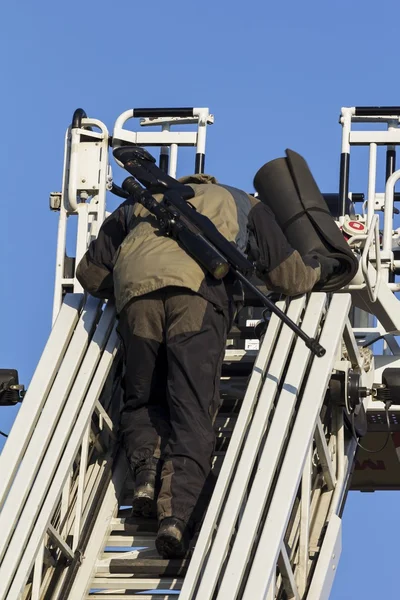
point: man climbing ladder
(173, 321)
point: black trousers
(174, 343)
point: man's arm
(278, 264)
(94, 272)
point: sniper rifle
(196, 233)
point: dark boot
(172, 539)
(144, 503)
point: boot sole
(142, 506)
(169, 547)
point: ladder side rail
(37, 574)
(271, 453)
(328, 561)
(38, 390)
(101, 530)
(91, 483)
(303, 533)
(69, 454)
(81, 239)
(240, 480)
(64, 517)
(95, 483)
(328, 511)
(62, 230)
(229, 465)
(83, 463)
(305, 523)
(318, 502)
(103, 438)
(291, 471)
(47, 422)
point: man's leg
(144, 424)
(195, 342)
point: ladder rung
(109, 555)
(137, 526)
(238, 355)
(152, 567)
(108, 596)
(133, 583)
(131, 541)
(136, 584)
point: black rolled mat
(290, 190)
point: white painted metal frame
(51, 479)
(48, 481)
(372, 237)
(241, 477)
(271, 453)
(53, 448)
(36, 396)
(166, 138)
(372, 138)
(375, 292)
(101, 529)
(273, 531)
(229, 465)
(224, 565)
(86, 176)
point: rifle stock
(181, 229)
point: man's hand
(328, 266)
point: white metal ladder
(61, 437)
(272, 529)
(245, 536)
(63, 543)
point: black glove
(328, 266)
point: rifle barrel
(311, 343)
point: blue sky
(274, 74)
